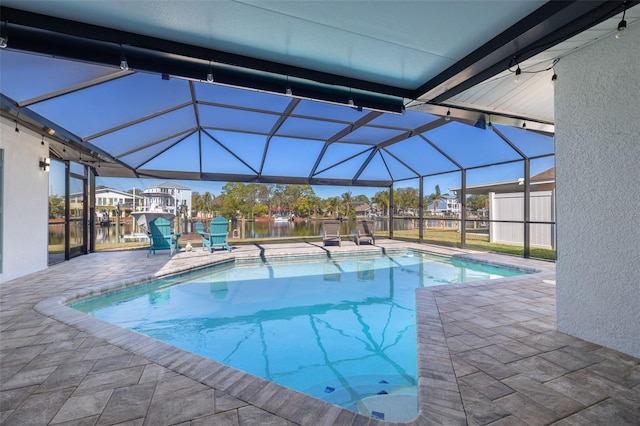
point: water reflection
(252, 229)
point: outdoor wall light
(554, 78)
(45, 163)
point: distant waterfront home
(108, 198)
(445, 205)
(167, 197)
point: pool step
(372, 395)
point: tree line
(255, 200)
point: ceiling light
(518, 76)
(351, 103)
(524, 125)
(623, 24)
(124, 65)
(4, 38)
(448, 116)
(17, 130)
(554, 78)
(289, 92)
(42, 141)
(210, 74)
(621, 27)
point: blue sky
(500, 173)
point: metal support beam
(391, 211)
(92, 210)
(463, 208)
(527, 208)
(421, 211)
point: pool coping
(438, 392)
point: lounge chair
(219, 234)
(364, 232)
(330, 231)
(206, 242)
(161, 236)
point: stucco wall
(597, 115)
(25, 192)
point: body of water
(259, 229)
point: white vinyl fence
(511, 207)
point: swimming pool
(339, 329)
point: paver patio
(488, 354)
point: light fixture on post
(622, 25)
(4, 38)
(210, 74)
(45, 163)
(124, 65)
(448, 116)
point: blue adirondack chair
(206, 242)
(161, 236)
(219, 234)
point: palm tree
(382, 199)
(333, 205)
(347, 199)
(207, 200)
(196, 202)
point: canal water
(260, 229)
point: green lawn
(449, 238)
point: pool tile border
(439, 396)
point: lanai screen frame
(354, 130)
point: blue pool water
(342, 330)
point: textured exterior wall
(597, 115)
(26, 203)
